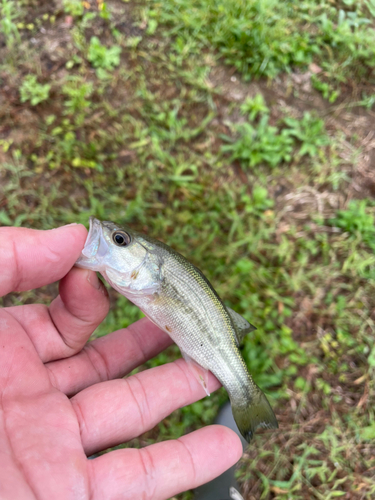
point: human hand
(62, 399)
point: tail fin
(258, 413)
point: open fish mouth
(95, 247)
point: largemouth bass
(178, 298)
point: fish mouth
(95, 247)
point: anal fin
(200, 373)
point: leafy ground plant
(8, 25)
(33, 91)
(77, 93)
(357, 221)
(261, 144)
(310, 132)
(102, 58)
(253, 106)
(74, 7)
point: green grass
(8, 17)
(266, 37)
(146, 114)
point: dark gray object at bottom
(224, 487)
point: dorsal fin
(241, 325)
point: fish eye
(121, 238)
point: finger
(162, 470)
(30, 258)
(82, 305)
(64, 328)
(112, 356)
(117, 411)
(21, 371)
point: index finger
(164, 469)
(31, 258)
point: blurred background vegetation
(241, 133)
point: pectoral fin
(201, 374)
(241, 325)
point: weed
(8, 15)
(33, 91)
(102, 58)
(252, 106)
(74, 7)
(263, 144)
(77, 92)
(310, 132)
(367, 101)
(104, 12)
(357, 221)
(370, 4)
(68, 147)
(133, 41)
(258, 202)
(326, 89)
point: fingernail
(66, 225)
(94, 280)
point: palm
(63, 399)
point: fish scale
(181, 297)
(177, 297)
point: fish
(179, 299)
